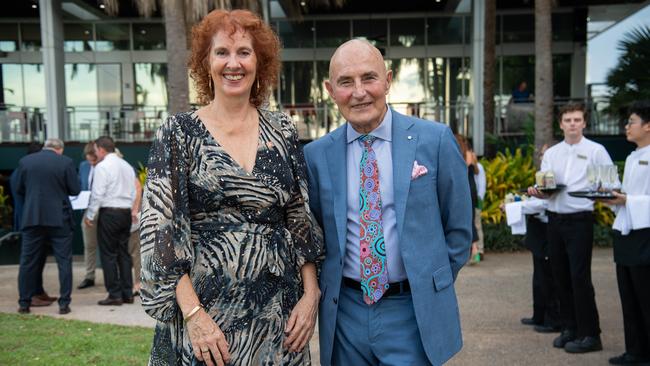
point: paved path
(493, 297)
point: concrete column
(53, 66)
(578, 71)
(128, 83)
(478, 63)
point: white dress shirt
(113, 185)
(516, 213)
(481, 182)
(569, 164)
(635, 213)
(383, 149)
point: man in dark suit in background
(44, 181)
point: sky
(602, 52)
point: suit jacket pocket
(442, 278)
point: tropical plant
(142, 173)
(630, 79)
(506, 173)
(5, 209)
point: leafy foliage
(5, 209)
(630, 79)
(142, 173)
(506, 173)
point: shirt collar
(582, 140)
(383, 131)
(642, 150)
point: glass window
(517, 69)
(31, 37)
(445, 30)
(12, 84)
(562, 76)
(562, 24)
(8, 37)
(78, 37)
(109, 84)
(148, 37)
(374, 30)
(296, 34)
(407, 32)
(295, 83)
(151, 84)
(112, 37)
(81, 84)
(518, 28)
(331, 33)
(34, 81)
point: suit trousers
(570, 239)
(384, 333)
(89, 235)
(35, 239)
(635, 301)
(545, 302)
(113, 229)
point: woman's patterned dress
(242, 238)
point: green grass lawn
(41, 340)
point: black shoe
(529, 321)
(628, 359)
(110, 301)
(86, 283)
(584, 345)
(45, 297)
(547, 329)
(565, 337)
(64, 310)
(127, 300)
(23, 310)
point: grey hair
(53, 143)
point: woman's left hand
(302, 321)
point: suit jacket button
(335, 300)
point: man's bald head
(351, 50)
(358, 83)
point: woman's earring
(258, 84)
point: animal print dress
(242, 238)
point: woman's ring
(205, 350)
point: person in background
(88, 233)
(111, 201)
(521, 94)
(40, 297)
(472, 170)
(571, 231)
(480, 179)
(632, 240)
(44, 181)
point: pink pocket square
(418, 170)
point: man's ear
(330, 89)
(389, 80)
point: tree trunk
(543, 76)
(489, 74)
(177, 77)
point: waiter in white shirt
(632, 240)
(112, 196)
(570, 231)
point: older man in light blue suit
(395, 239)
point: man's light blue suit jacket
(434, 218)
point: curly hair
(266, 46)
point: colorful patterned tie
(374, 274)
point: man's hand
(532, 191)
(88, 222)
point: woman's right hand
(208, 341)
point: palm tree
(543, 75)
(630, 80)
(489, 72)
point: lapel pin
(409, 137)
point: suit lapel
(337, 162)
(404, 145)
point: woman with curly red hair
(229, 245)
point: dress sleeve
(167, 253)
(306, 235)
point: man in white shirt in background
(571, 233)
(88, 233)
(112, 195)
(632, 240)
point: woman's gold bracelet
(192, 312)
